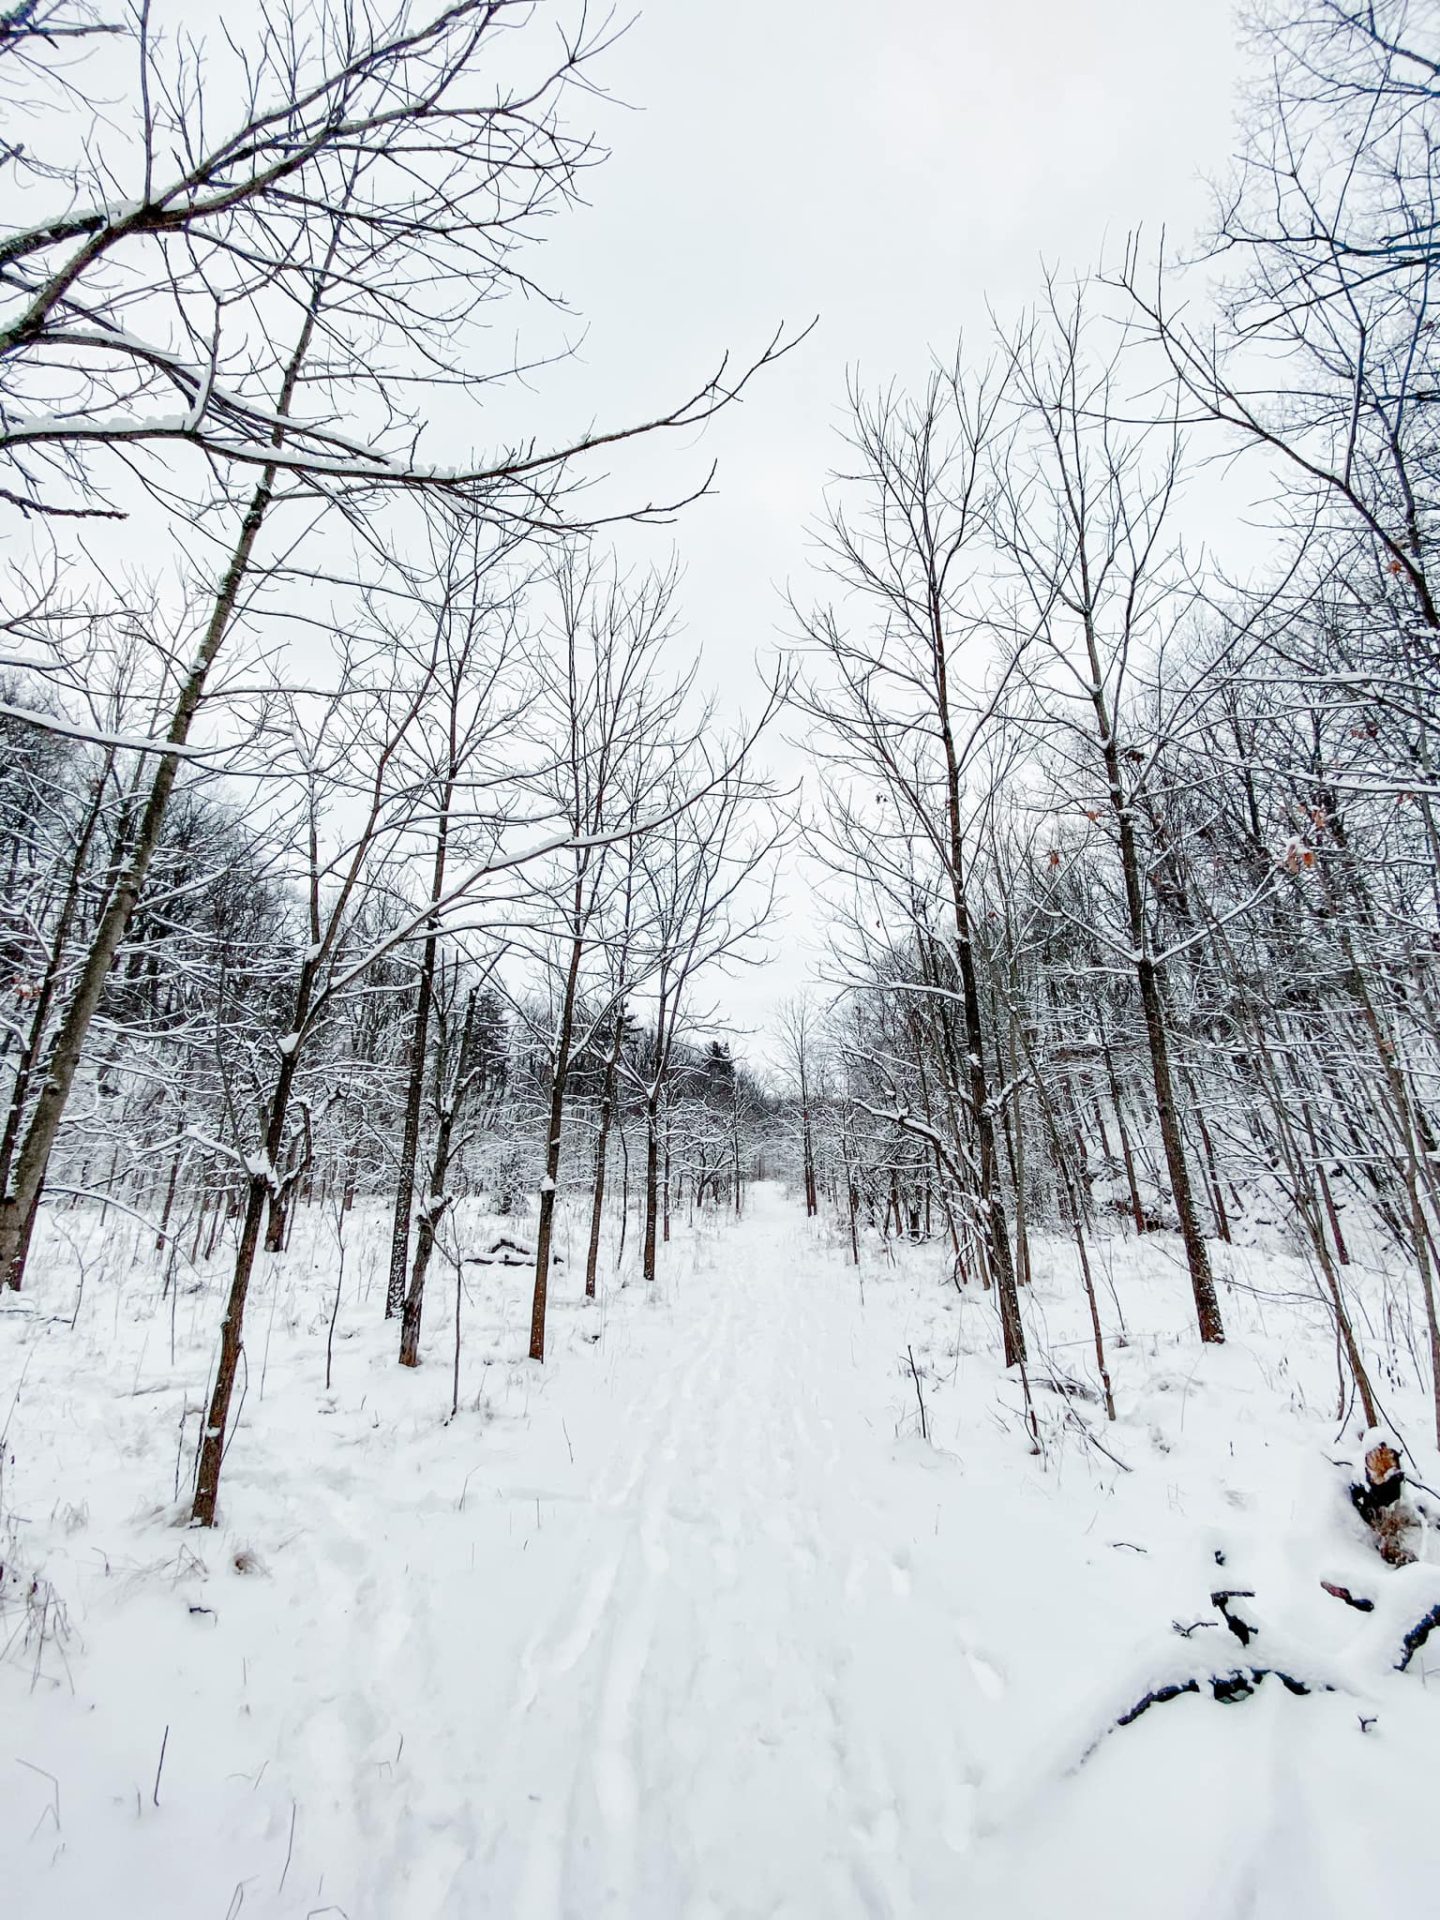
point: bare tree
(707, 891)
(375, 182)
(800, 1030)
(896, 713)
(1085, 518)
(461, 747)
(618, 730)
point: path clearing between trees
(693, 1624)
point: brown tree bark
(415, 1088)
(652, 1183)
(545, 1231)
(436, 1201)
(259, 1187)
(1150, 981)
(602, 1145)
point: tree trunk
(45, 998)
(166, 1210)
(602, 1144)
(415, 1090)
(64, 1060)
(1197, 1258)
(432, 1212)
(436, 1200)
(652, 1182)
(549, 1187)
(992, 1205)
(212, 1444)
(260, 1187)
(665, 1183)
(1151, 985)
(1137, 1208)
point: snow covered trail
(739, 1703)
(692, 1624)
(645, 1634)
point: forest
(382, 855)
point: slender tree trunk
(1137, 1207)
(602, 1144)
(259, 1189)
(1212, 1168)
(1322, 1180)
(45, 998)
(1016, 1129)
(624, 1192)
(665, 1181)
(1197, 1258)
(162, 1235)
(65, 1056)
(219, 1215)
(652, 1182)
(550, 1185)
(277, 1217)
(415, 1088)
(199, 1225)
(437, 1200)
(410, 1135)
(992, 1205)
(1151, 985)
(432, 1210)
(1410, 1124)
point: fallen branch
(1243, 1631)
(1238, 1684)
(1417, 1636)
(1359, 1602)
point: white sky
(890, 168)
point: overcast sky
(889, 168)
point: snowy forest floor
(693, 1624)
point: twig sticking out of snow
(915, 1376)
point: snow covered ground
(693, 1624)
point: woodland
(376, 867)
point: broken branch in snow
(508, 1253)
(1228, 1688)
(1360, 1604)
(1242, 1629)
(1417, 1636)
